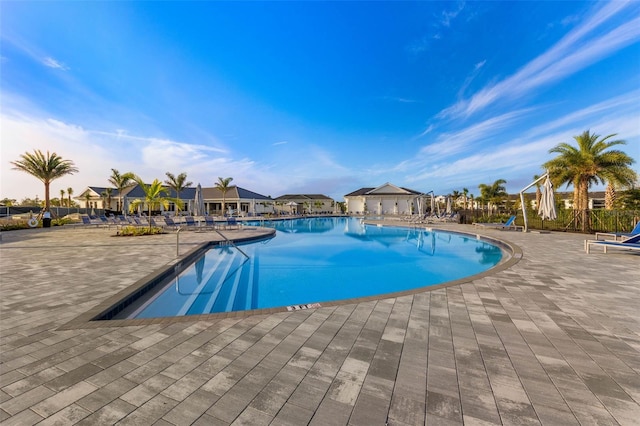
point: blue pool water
(318, 260)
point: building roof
(234, 193)
(303, 197)
(386, 189)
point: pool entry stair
(227, 284)
(223, 279)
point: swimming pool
(316, 260)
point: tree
(87, 199)
(455, 197)
(154, 197)
(223, 186)
(69, 194)
(62, 198)
(120, 181)
(465, 194)
(8, 202)
(107, 194)
(177, 183)
(45, 168)
(609, 197)
(590, 162)
(493, 194)
(538, 191)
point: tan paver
(552, 339)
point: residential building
(385, 199)
(305, 203)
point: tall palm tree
(465, 195)
(45, 168)
(609, 197)
(87, 200)
(493, 194)
(223, 186)
(69, 194)
(590, 162)
(455, 197)
(538, 191)
(107, 194)
(120, 181)
(154, 196)
(177, 183)
(62, 198)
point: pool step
(227, 284)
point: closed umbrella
(448, 205)
(547, 208)
(198, 202)
(433, 205)
(125, 206)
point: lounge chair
(621, 235)
(631, 243)
(509, 224)
(209, 222)
(170, 223)
(232, 222)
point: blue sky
(313, 97)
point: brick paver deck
(553, 339)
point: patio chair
(190, 221)
(631, 243)
(209, 222)
(509, 224)
(232, 222)
(620, 235)
(170, 223)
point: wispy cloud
(440, 24)
(453, 143)
(55, 64)
(570, 55)
(449, 15)
(280, 143)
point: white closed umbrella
(448, 205)
(198, 202)
(547, 208)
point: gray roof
(304, 197)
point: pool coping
(90, 318)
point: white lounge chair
(632, 243)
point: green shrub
(135, 231)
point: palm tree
(154, 196)
(177, 183)
(223, 186)
(590, 162)
(609, 197)
(45, 168)
(62, 198)
(493, 194)
(120, 181)
(69, 194)
(538, 191)
(455, 197)
(107, 194)
(87, 200)
(465, 195)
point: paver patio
(553, 339)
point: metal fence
(599, 220)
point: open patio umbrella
(547, 208)
(198, 202)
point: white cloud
(53, 63)
(571, 54)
